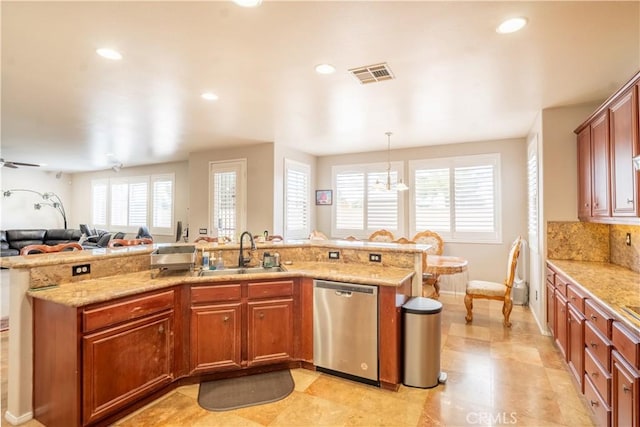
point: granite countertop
(613, 286)
(108, 288)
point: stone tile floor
(496, 376)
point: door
(600, 165)
(216, 337)
(228, 198)
(114, 373)
(623, 125)
(561, 323)
(584, 173)
(270, 331)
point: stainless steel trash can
(422, 337)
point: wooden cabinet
(107, 356)
(561, 323)
(215, 327)
(626, 392)
(624, 128)
(551, 309)
(600, 166)
(241, 325)
(112, 372)
(575, 343)
(608, 185)
(584, 173)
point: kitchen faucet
(242, 261)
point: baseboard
(18, 420)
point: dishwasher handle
(346, 294)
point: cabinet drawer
(599, 345)
(561, 284)
(598, 317)
(576, 297)
(281, 288)
(550, 275)
(601, 410)
(600, 376)
(215, 293)
(626, 343)
(126, 309)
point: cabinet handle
(161, 329)
(594, 345)
(586, 205)
(594, 403)
(594, 374)
(625, 388)
(573, 298)
(594, 317)
(225, 319)
(261, 315)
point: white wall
(17, 211)
(260, 186)
(81, 199)
(486, 261)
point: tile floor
(496, 376)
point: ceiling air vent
(372, 73)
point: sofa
(11, 241)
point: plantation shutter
(432, 200)
(119, 204)
(297, 209)
(138, 203)
(162, 203)
(350, 200)
(99, 203)
(474, 199)
(382, 205)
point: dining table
(437, 265)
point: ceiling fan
(14, 165)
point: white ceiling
(457, 80)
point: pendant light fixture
(387, 186)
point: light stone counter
(613, 286)
(108, 288)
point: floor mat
(234, 393)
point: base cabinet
(626, 392)
(270, 331)
(215, 337)
(112, 373)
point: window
(297, 209)
(459, 197)
(532, 191)
(228, 197)
(360, 208)
(124, 204)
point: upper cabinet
(608, 184)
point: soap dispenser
(205, 259)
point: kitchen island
(75, 320)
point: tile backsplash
(585, 241)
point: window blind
(138, 204)
(99, 203)
(297, 206)
(162, 203)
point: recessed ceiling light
(109, 54)
(248, 3)
(325, 69)
(511, 25)
(209, 96)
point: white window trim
(398, 167)
(162, 230)
(239, 166)
(306, 169)
(461, 161)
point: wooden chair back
(317, 235)
(403, 240)
(114, 243)
(351, 239)
(512, 263)
(381, 236)
(40, 249)
(432, 238)
(223, 239)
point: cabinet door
(551, 309)
(575, 343)
(215, 337)
(561, 323)
(584, 173)
(600, 165)
(623, 125)
(626, 392)
(124, 363)
(270, 331)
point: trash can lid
(421, 305)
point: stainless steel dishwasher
(345, 330)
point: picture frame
(324, 197)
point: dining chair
(381, 236)
(403, 240)
(317, 235)
(223, 239)
(430, 284)
(114, 243)
(493, 290)
(40, 249)
(351, 239)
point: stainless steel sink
(247, 270)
